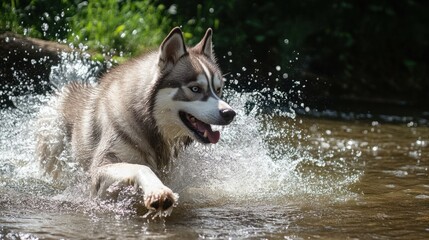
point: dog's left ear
(172, 48)
(205, 46)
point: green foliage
(109, 27)
(119, 27)
(37, 18)
(9, 17)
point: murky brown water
(393, 191)
(317, 179)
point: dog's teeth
(206, 133)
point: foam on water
(246, 165)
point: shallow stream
(274, 175)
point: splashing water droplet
(45, 27)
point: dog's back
(125, 129)
(73, 102)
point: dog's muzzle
(202, 131)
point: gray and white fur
(124, 130)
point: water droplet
(285, 75)
(45, 27)
(172, 9)
(423, 196)
(278, 68)
(286, 41)
(414, 154)
(422, 143)
(244, 69)
(211, 10)
(229, 53)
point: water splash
(259, 160)
(74, 67)
(261, 157)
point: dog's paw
(160, 200)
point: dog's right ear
(171, 49)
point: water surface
(273, 175)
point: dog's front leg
(157, 197)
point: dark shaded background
(368, 51)
(361, 49)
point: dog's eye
(195, 89)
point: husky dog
(124, 130)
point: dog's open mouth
(202, 131)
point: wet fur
(123, 131)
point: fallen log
(25, 65)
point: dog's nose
(228, 115)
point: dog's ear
(205, 46)
(172, 48)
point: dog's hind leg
(157, 197)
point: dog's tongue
(206, 129)
(213, 136)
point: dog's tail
(50, 139)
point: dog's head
(189, 89)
